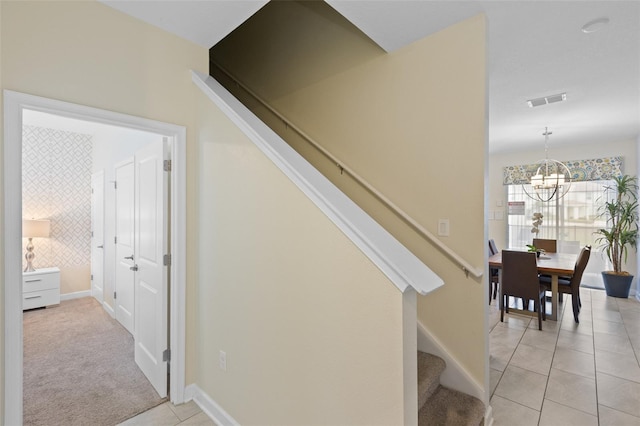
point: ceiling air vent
(547, 100)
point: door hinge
(166, 165)
(115, 185)
(114, 295)
(167, 260)
(91, 277)
(166, 355)
(115, 240)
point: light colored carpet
(79, 368)
(441, 406)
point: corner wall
(311, 329)
(2, 283)
(89, 54)
(411, 122)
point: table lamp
(32, 228)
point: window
(573, 218)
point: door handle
(100, 246)
(134, 267)
(129, 257)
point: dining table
(553, 264)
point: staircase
(440, 405)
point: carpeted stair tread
(429, 369)
(451, 408)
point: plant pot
(617, 285)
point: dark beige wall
(411, 122)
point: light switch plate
(443, 227)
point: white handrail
(467, 268)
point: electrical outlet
(222, 360)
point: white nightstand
(40, 288)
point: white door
(151, 281)
(97, 235)
(124, 289)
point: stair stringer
(455, 376)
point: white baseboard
(209, 406)
(488, 416)
(97, 294)
(109, 309)
(75, 295)
(455, 376)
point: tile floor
(568, 374)
(168, 414)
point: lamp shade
(32, 228)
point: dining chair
(520, 279)
(494, 273)
(571, 285)
(550, 246)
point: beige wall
(1, 224)
(311, 328)
(314, 322)
(90, 54)
(411, 122)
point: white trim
(12, 261)
(488, 416)
(401, 266)
(455, 376)
(14, 103)
(409, 357)
(75, 295)
(100, 176)
(178, 276)
(107, 307)
(209, 406)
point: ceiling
(535, 49)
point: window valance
(581, 170)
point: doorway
(15, 104)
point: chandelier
(552, 178)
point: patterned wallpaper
(56, 185)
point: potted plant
(621, 233)
(535, 229)
(533, 249)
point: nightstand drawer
(40, 282)
(40, 288)
(36, 299)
